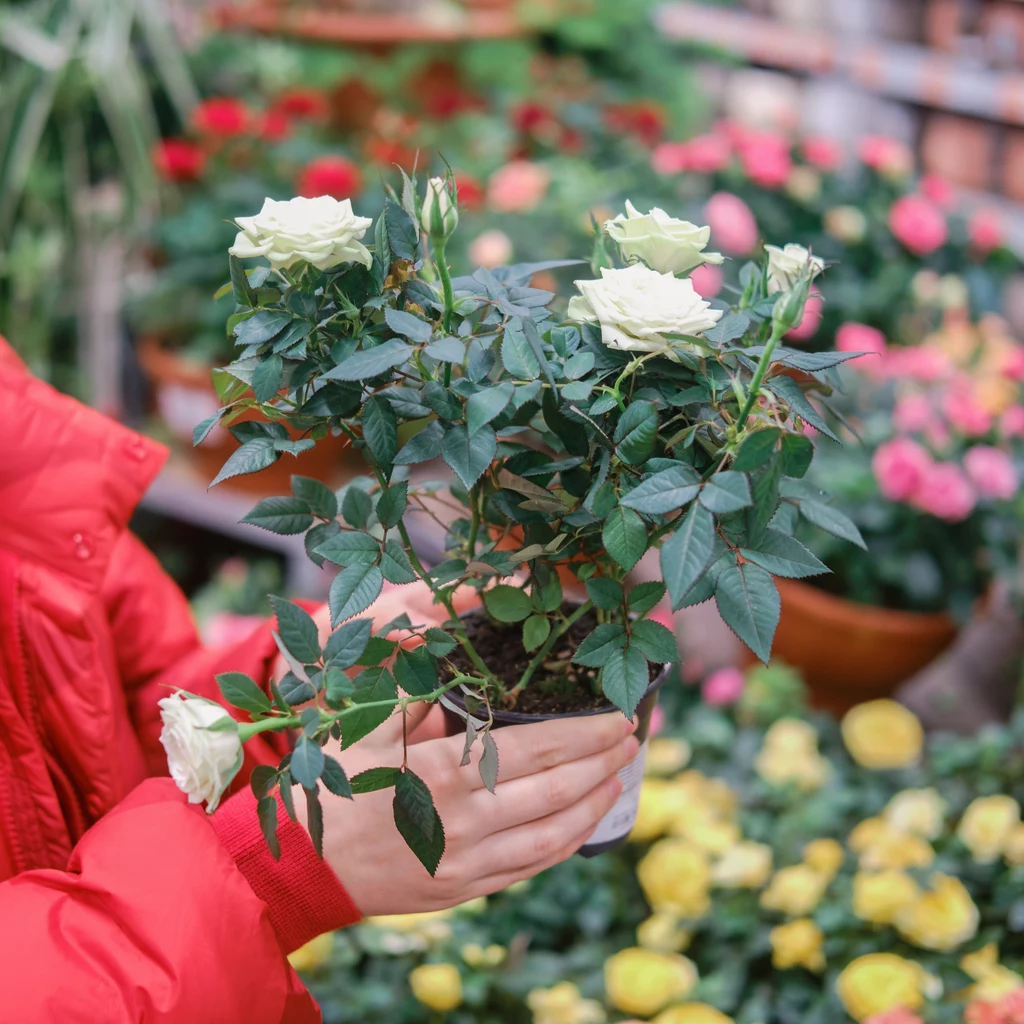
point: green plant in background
(642, 419)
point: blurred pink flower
(899, 1015)
(724, 686)
(1013, 365)
(707, 280)
(913, 413)
(945, 492)
(991, 471)
(885, 155)
(706, 154)
(669, 158)
(517, 187)
(985, 230)
(855, 337)
(916, 363)
(732, 224)
(965, 414)
(1011, 423)
(918, 224)
(765, 158)
(810, 321)
(226, 629)
(900, 467)
(826, 154)
(939, 190)
(731, 130)
(490, 249)
(657, 720)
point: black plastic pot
(615, 826)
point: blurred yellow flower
(674, 876)
(941, 918)
(879, 896)
(866, 833)
(798, 943)
(709, 834)
(881, 847)
(438, 986)
(826, 856)
(478, 956)
(658, 800)
(987, 825)
(1014, 848)
(879, 982)
(789, 756)
(919, 811)
(745, 865)
(409, 932)
(795, 891)
(563, 1004)
(992, 980)
(314, 953)
(662, 933)
(692, 1013)
(666, 756)
(882, 734)
(642, 982)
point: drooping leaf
(489, 762)
(353, 590)
(687, 552)
(417, 820)
(507, 603)
(297, 630)
(469, 455)
(748, 601)
(282, 515)
(251, 457)
(784, 556)
(625, 536)
(596, 648)
(266, 812)
(664, 492)
(307, 762)
(314, 818)
(657, 643)
(625, 679)
(242, 692)
(335, 779)
(727, 491)
(380, 431)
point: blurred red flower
(329, 176)
(531, 117)
(178, 160)
(471, 192)
(223, 116)
(389, 152)
(643, 120)
(275, 125)
(303, 104)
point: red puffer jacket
(118, 901)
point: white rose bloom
(323, 231)
(637, 308)
(786, 265)
(664, 243)
(202, 761)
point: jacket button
(83, 546)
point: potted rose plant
(640, 418)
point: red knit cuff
(302, 893)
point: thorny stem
(449, 300)
(545, 649)
(759, 373)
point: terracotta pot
(850, 653)
(184, 396)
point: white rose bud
(637, 308)
(787, 266)
(664, 243)
(322, 231)
(440, 216)
(202, 760)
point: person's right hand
(556, 780)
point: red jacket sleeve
(154, 922)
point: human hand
(556, 781)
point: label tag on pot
(619, 820)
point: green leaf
(296, 447)
(765, 494)
(447, 350)
(536, 630)
(297, 630)
(318, 496)
(317, 535)
(350, 548)
(353, 590)
(403, 234)
(439, 643)
(337, 686)
(732, 325)
(266, 378)
(726, 492)
(797, 455)
(294, 690)
(664, 492)
(791, 393)
(600, 644)
(657, 643)
(374, 779)
(469, 456)
(244, 295)
(202, 430)
(285, 792)
(356, 506)
(832, 521)
(488, 766)
(605, 593)
(416, 671)
(757, 449)
(624, 536)
(380, 431)
(536, 343)
(281, 515)
(507, 604)
(307, 762)
(242, 692)
(625, 679)
(346, 644)
(371, 685)
(372, 362)
(422, 447)
(784, 556)
(645, 596)
(251, 457)
(748, 601)
(409, 326)
(266, 811)
(418, 821)
(262, 780)
(487, 404)
(579, 365)
(334, 778)
(687, 552)
(518, 357)
(547, 597)
(261, 327)
(395, 564)
(391, 504)
(636, 433)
